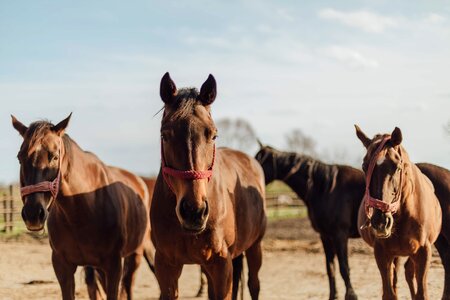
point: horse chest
(81, 245)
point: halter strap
(185, 175)
(371, 202)
(46, 186)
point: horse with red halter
(96, 214)
(209, 204)
(400, 214)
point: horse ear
(19, 126)
(61, 126)
(396, 137)
(167, 89)
(208, 91)
(259, 143)
(362, 137)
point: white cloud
(435, 19)
(351, 57)
(361, 19)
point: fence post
(11, 207)
(5, 212)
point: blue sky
(320, 66)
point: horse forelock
(36, 133)
(183, 105)
(34, 136)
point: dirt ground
(293, 268)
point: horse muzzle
(34, 216)
(193, 218)
(382, 224)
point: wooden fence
(11, 206)
(9, 209)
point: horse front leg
(220, 272)
(328, 247)
(340, 245)
(385, 266)
(422, 261)
(65, 274)
(410, 275)
(167, 274)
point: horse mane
(184, 103)
(321, 177)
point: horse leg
(220, 272)
(237, 270)
(384, 264)
(65, 273)
(409, 275)
(202, 284)
(131, 263)
(328, 247)
(396, 267)
(443, 247)
(167, 275)
(422, 259)
(254, 262)
(113, 273)
(340, 245)
(90, 278)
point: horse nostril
(205, 212)
(41, 214)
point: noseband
(185, 175)
(45, 186)
(371, 202)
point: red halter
(45, 186)
(186, 175)
(371, 202)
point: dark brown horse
(332, 194)
(400, 214)
(97, 214)
(208, 207)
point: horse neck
(285, 164)
(83, 172)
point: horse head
(384, 165)
(40, 157)
(188, 136)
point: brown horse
(97, 214)
(400, 214)
(208, 206)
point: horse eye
(215, 137)
(164, 138)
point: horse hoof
(351, 295)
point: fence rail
(11, 206)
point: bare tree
(299, 142)
(237, 134)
